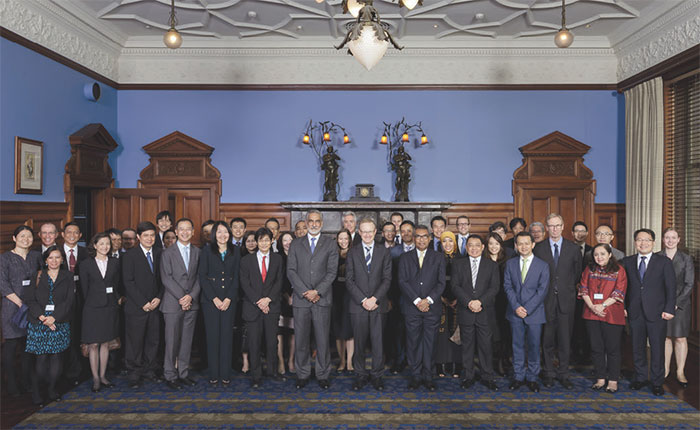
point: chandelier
(367, 38)
(564, 38)
(172, 38)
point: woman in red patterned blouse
(603, 287)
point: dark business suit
(317, 271)
(395, 326)
(101, 310)
(471, 324)
(257, 322)
(436, 244)
(75, 362)
(560, 304)
(178, 281)
(421, 327)
(219, 279)
(142, 329)
(362, 284)
(159, 242)
(529, 294)
(646, 299)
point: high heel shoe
(610, 389)
(683, 384)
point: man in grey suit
(367, 279)
(312, 265)
(178, 271)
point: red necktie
(71, 261)
(264, 269)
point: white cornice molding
(52, 27)
(671, 34)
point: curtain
(644, 141)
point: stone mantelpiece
(379, 211)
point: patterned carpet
(279, 405)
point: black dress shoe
(107, 385)
(173, 385)
(488, 383)
(566, 383)
(466, 383)
(324, 384)
(96, 388)
(256, 383)
(637, 385)
(301, 383)
(548, 382)
(533, 386)
(278, 377)
(657, 390)
(429, 385)
(359, 383)
(187, 381)
(378, 384)
(135, 384)
(413, 384)
(515, 384)
(394, 369)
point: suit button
(223, 279)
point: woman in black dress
(50, 310)
(99, 279)
(340, 314)
(500, 328)
(218, 278)
(286, 323)
(448, 355)
(18, 269)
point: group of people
(416, 296)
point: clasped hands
(48, 321)
(475, 306)
(598, 309)
(423, 305)
(312, 296)
(222, 305)
(370, 304)
(152, 305)
(521, 312)
(264, 304)
(185, 302)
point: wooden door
(569, 203)
(126, 207)
(193, 204)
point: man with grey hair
(312, 265)
(350, 223)
(537, 231)
(47, 234)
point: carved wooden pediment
(88, 165)
(178, 144)
(553, 156)
(178, 156)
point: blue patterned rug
(279, 405)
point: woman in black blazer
(50, 310)
(99, 279)
(218, 277)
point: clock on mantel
(364, 192)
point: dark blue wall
(43, 100)
(473, 152)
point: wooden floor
(14, 410)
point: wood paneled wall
(612, 214)
(33, 214)
(481, 215)
(255, 214)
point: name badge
(26, 283)
(50, 308)
(598, 296)
(76, 278)
(110, 290)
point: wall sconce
(318, 136)
(396, 136)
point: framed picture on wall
(29, 166)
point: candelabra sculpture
(319, 136)
(395, 137)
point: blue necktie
(556, 255)
(368, 258)
(463, 248)
(313, 244)
(150, 260)
(642, 267)
(436, 242)
(186, 257)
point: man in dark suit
(650, 302)
(437, 225)
(261, 281)
(238, 226)
(48, 233)
(475, 283)
(422, 281)
(396, 325)
(73, 254)
(579, 342)
(129, 239)
(350, 223)
(580, 233)
(463, 226)
(564, 259)
(141, 277)
(367, 279)
(180, 278)
(312, 265)
(525, 283)
(164, 221)
(516, 226)
(388, 235)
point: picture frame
(29, 166)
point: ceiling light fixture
(172, 38)
(564, 38)
(367, 38)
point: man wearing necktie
(74, 254)
(565, 260)
(525, 283)
(463, 225)
(179, 274)
(312, 266)
(143, 291)
(396, 325)
(650, 302)
(475, 283)
(422, 282)
(238, 226)
(367, 279)
(438, 225)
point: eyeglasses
(462, 224)
(555, 225)
(422, 236)
(603, 234)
